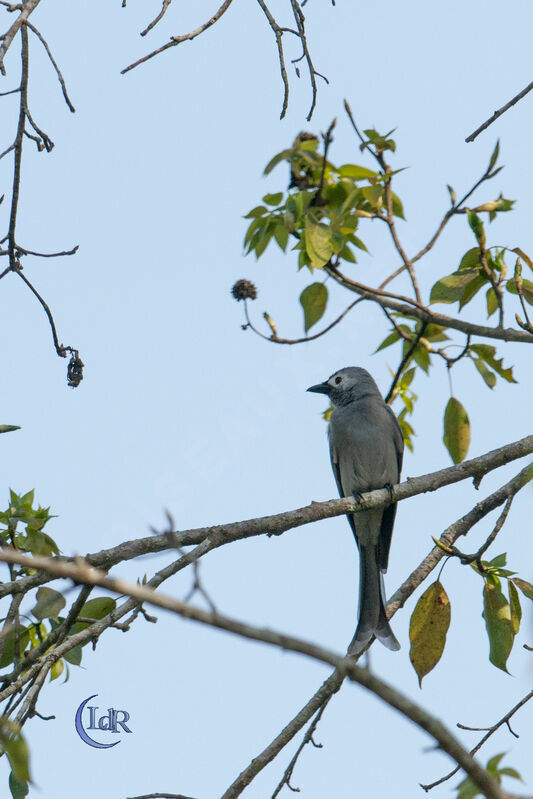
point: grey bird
(366, 450)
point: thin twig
(277, 340)
(308, 738)
(73, 251)
(159, 17)
(499, 112)
(58, 71)
(405, 360)
(26, 10)
(476, 556)
(278, 33)
(491, 730)
(299, 18)
(187, 37)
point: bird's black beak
(320, 388)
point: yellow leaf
(427, 630)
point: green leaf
(313, 299)
(466, 789)
(407, 430)
(256, 212)
(273, 199)
(283, 156)
(261, 245)
(422, 358)
(8, 428)
(494, 157)
(356, 172)
(471, 259)
(524, 586)
(492, 301)
(347, 255)
(494, 762)
(451, 192)
(397, 207)
(427, 629)
(281, 234)
(488, 354)
(497, 615)
(511, 772)
(516, 609)
(49, 605)
(472, 289)
(452, 287)
(19, 788)
(327, 413)
(392, 338)
(57, 670)
(527, 289)
(498, 561)
(374, 195)
(488, 376)
(523, 256)
(318, 243)
(95, 609)
(477, 228)
(435, 333)
(16, 749)
(456, 430)
(8, 649)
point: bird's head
(346, 385)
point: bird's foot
(389, 488)
(357, 496)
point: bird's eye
(338, 380)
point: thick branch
(217, 535)
(398, 599)
(387, 300)
(81, 572)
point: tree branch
(490, 731)
(187, 37)
(397, 600)
(81, 572)
(399, 303)
(28, 7)
(499, 112)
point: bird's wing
(398, 439)
(337, 474)
(389, 513)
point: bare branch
(58, 71)
(278, 33)
(187, 37)
(397, 600)
(80, 571)
(499, 112)
(408, 307)
(490, 731)
(275, 339)
(157, 19)
(476, 557)
(208, 538)
(27, 8)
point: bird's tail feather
(372, 619)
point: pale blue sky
(182, 410)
